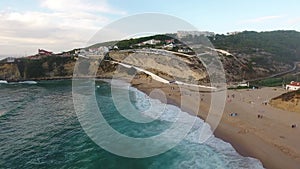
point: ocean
(40, 129)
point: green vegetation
(283, 45)
(129, 43)
(271, 82)
(275, 81)
(56, 63)
(196, 40)
(34, 69)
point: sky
(61, 25)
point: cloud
(65, 25)
(293, 21)
(262, 19)
(79, 5)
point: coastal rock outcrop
(289, 101)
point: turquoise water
(39, 129)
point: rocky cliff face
(45, 68)
(53, 67)
(9, 71)
(172, 67)
(167, 65)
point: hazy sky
(57, 25)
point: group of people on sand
(230, 99)
(259, 115)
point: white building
(151, 42)
(243, 84)
(293, 86)
(10, 60)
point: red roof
(295, 83)
(44, 52)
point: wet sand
(270, 139)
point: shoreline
(57, 78)
(250, 137)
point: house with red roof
(44, 52)
(293, 86)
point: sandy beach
(258, 130)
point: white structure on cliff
(293, 86)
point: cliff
(9, 71)
(171, 67)
(44, 68)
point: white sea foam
(234, 160)
(3, 82)
(28, 82)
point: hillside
(129, 43)
(288, 101)
(168, 66)
(55, 67)
(283, 46)
(269, 52)
(261, 54)
(246, 55)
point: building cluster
(168, 44)
(41, 54)
(149, 42)
(102, 50)
(233, 33)
(182, 34)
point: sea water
(40, 129)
